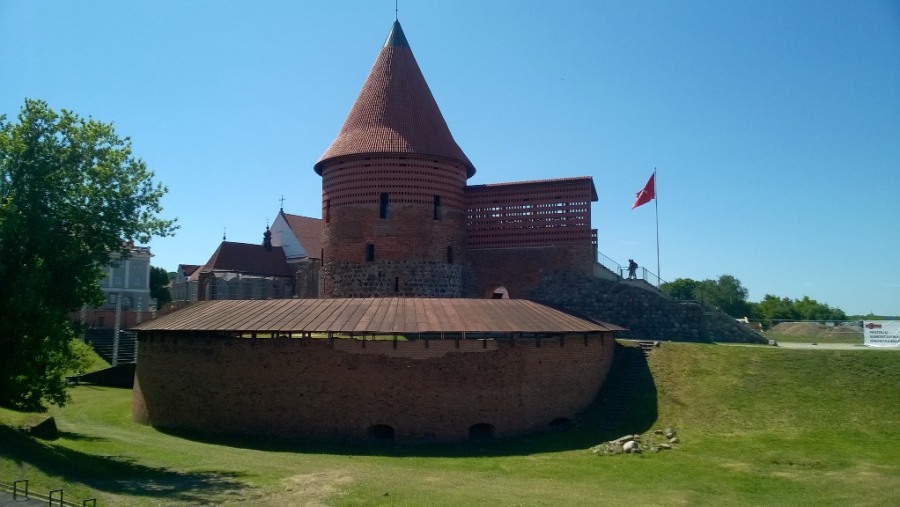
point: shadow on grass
(113, 474)
(68, 435)
(626, 404)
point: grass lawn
(758, 426)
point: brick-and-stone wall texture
(419, 228)
(426, 390)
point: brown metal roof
(395, 112)
(375, 316)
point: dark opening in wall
(481, 431)
(449, 255)
(370, 252)
(383, 205)
(560, 424)
(327, 210)
(437, 207)
(396, 284)
(381, 433)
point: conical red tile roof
(395, 112)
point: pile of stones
(636, 444)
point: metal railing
(609, 264)
(641, 273)
(20, 492)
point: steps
(629, 365)
(647, 346)
(102, 342)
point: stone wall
(400, 279)
(647, 314)
(307, 279)
(339, 389)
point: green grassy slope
(758, 426)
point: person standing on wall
(632, 269)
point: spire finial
(396, 9)
(282, 202)
(224, 231)
(267, 237)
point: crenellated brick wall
(426, 390)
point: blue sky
(774, 125)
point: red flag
(647, 194)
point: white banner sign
(881, 333)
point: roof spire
(267, 238)
(395, 11)
(395, 112)
(396, 38)
(282, 203)
(224, 230)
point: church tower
(393, 189)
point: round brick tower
(393, 183)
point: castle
(408, 323)
(398, 218)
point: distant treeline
(730, 296)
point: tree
(731, 296)
(159, 290)
(774, 308)
(727, 293)
(810, 309)
(71, 194)
(682, 289)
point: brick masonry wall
(425, 390)
(646, 314)
(351, 207)
(521, 270)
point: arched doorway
(481, 432)
(381, 433)
(498, 292)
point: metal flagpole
(656, 202)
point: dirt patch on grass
(816, 330)
(319, 489)
(314, 489)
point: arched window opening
(449, 255)
(481, 432)
(381, 433)
(498, 292)
(561, 424)
(370, 252)
(437, 207)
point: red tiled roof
(395, 112)
(375, 315)
(248, 259)
(308, 231)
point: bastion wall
(424, 390)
